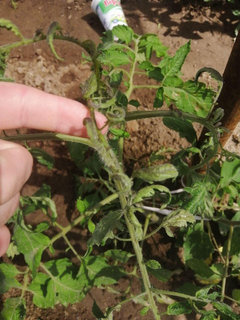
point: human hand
(25, 107)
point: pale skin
(25, 107)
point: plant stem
(229, 244)
(49, 136)
(211, 235)
(65, 230)
(123, 187)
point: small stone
(70, 1)
(70, 17)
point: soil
(211, 32)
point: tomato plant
(194, 197)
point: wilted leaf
(178, 308)
(156, 173)
(42, 157)
(7, 24)
(179, 218)
(149, 191)
(104, 228)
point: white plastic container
(109, 12)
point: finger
(8, 208)
(25, 107)
(4, 239)
(15, 169)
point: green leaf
(119, 133)
(105, 227)
(144, 311)
(225, 311)
(8, 272)
(230, 171)
(200, 268)
(134, 103)
(208, 315)
(183, 127)
(178, 218)
(116, 78)
(155, 269)
(156, 74)
(89, 87)
(192, 97)
(42, 157)
(200, 202)
(171, 66)
(14, 309)
(114, 57)
(52, 31)
(149, 192)
(77, 152)
(43, 289)
(31, 244)
(236, 294)
(45, 204)
(91, 226)
(7, 24)
(66, 286)
(97, 312)
(3, 63)
(150, 43)
(123, 33)
(156, 173)
(197, 244)
(158, 101)
(82, 204)
(118, 255)
(178, 308)
(94, 270)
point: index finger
(26, 107)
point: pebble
(70, 1)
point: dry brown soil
(211, 34)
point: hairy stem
(123, 187)
(229, 244)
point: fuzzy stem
(229, 244)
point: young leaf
(116, 79)
(183, 127)
(7, 24)
(178, 308)
(171, 66)
(14, 309)
(150, 43)
(155, 269)
(156, 173)
(105, 227)
(134, 103)
(8, 272)
(31, 244)
(53, 29)
(42, 157)
(123, 33)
